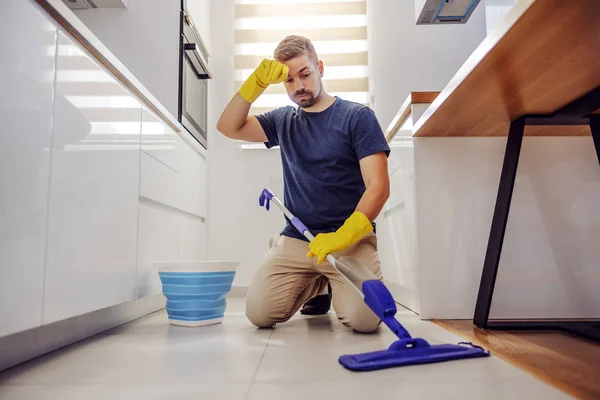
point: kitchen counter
(457, 171)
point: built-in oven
(193, 80)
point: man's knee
(264, 318)
(362, 319)
(365, 325)
(259, 318)
(261, 315)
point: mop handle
(267, 195)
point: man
(334, 157)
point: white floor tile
(150, 350)
(235, 322)
(312, 355)
(151, 359)
(147, 359)
(221, 391)
(476, 390)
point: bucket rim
(198, 266)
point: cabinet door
(396, 229)
(27, 58)
(159, 183)
(192, 239)
(193, 188)
(158, 242)
(94, 189)
(160, 141)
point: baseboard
(408, 299)
(238, 291)
(24, 346)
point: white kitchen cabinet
(94, 189)
(193, 239)
(396, 229)
(193, 187)
(160, 141)
(158, 242)
(27, 58)
(159, 183)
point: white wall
(200, 12)
(238, 228)
(405, 57)
(495, 11)
(144, 37)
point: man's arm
(236, 124)
(234, 121)
(374, 170)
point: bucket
(196, 290)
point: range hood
(429, 12)
(86, 4)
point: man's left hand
(355, 228)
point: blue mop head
(407, 350)
(410, 352)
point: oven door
(193, 97)
(194, 101)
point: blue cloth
(320, 153)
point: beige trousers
(287, 279)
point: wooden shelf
(544, 55)
(405, 109)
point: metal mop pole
(267, 195)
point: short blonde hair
(293, 46)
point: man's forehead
(298, 69)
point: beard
(308, 99)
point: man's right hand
(267, 73)
(234, 121)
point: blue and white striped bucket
(196, 291)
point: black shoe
(318, 305)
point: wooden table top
(405, 110)
(544, 55)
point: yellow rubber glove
(355, 228)
(267, 73)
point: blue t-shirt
(320, 153)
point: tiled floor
(150, 359)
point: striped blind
(337, 29)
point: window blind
(337, 29)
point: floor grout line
(259, 364)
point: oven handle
(200, 70)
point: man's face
(303, 84)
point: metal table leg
(576, 113)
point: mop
(405, 351)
